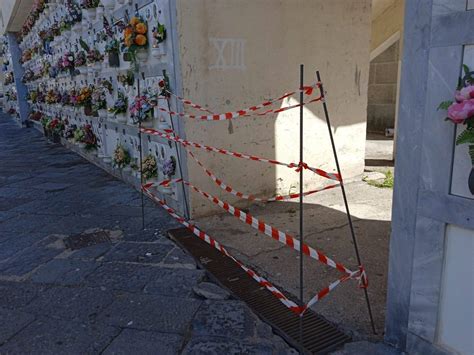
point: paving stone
(232, 318)
(70, 303)
(118, 276)
(91, 252)
(174, 282)
(64, 271)
(365, 347)
(138, 252)
(12, 322)
(205, 345)
(52, 336)
(148, 312)
(28, 259)
(52, 186)
(10, 203)
(13, 242)
(16, 294)
(211, 291)
(132, 341)
(179, 258)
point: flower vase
(127, 169)
(142, 55)
(110, 115)
(114, 60)
(88, 110)
(471, 175)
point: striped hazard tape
(230, 115)
(300, 310)
(302, 165)
(205, 237)
(250, 197)
(251, 111)
(262, 227)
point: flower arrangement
(134, 38)
(9, 78)
(28, 76)
(94, 56)
(113, 46)
(149, 167)
(89, 4)
(120, 105)
(84, 96)
(90, 139)
(55, 126)
(78, 135)
(127, 79)
(80, 59)
(69, 131)
(141, 109)
(98, 98)
(159, 34)
(67, 61)
(35, 116)
(52, 97)
(121, 157)
(169, 167)
(461, 111)
(38, 8)
(32, 96)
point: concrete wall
(270, 39)
(383, 83)
(13, 14)
(386, 24)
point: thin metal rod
(185, 199)
(301, 207)
(140, 146)
(351, 226)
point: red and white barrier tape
(234, 114)
(263, 227)
(262, 281)
(175, 138)
(307, 90)
(205, 237)
(236, 193)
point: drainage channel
(319, 336)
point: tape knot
(301, 165)
(363, 280)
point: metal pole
(351, 226)
(301, 207)
(186, 207)
(140, 146)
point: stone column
(18, 71)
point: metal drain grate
(319, 336)
(83, 240)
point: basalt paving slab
(131, 341)
(131, 295)
(12, 321)
(73, 303)
(52, 336)
(64, 271)
(138, 252)
(148, 312)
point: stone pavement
(131, 295)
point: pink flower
(459, 112)
(467, 93)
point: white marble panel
(456, 322)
